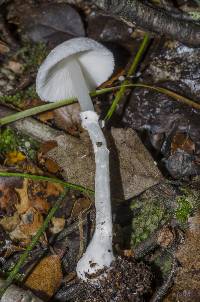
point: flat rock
(132, 168)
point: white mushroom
(73, 69)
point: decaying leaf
(8, 196)
(45, 116)
(9, 223)
(57, 225)
(30, 222)
(68, 118)
(46, 277)
(3, 48)
(14, 157)
(25, 202)
(81, 205)
(183, 142)
(16, 67)
(49, 22)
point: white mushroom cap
(54, 81)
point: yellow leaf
(14, 157)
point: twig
(67, 185)
(154, 19)
(161, 292)
(33, 243)
(131, 72)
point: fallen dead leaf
(183, 142)
(31, 221)
(52, 166)
(9, 223)
(38, 193)
(68, 119)
(46, 277)
(57, 225)
(8, 199)
(14, 157)
(16, 67)
(46, 116)
(3, 48)
(81, 205)
(24, 203)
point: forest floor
(153, 134)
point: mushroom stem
(99, 253)
(80, 87)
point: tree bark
(154, 19)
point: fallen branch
(153, 19)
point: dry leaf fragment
(9, 223)
(24, 203)
(183, 142)
(8, 199)
(31, 221)
(58, 225)
(46, 277)
(16, 67)
(81, 205)
(14, 157)
(45, 116)
(3, 48)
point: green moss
(184, 209)
(32, 55)
(154, 208)
(19, 97)
(10, 141)
(164, 263)
(149, 215)
(187, 203)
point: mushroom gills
(80, 89)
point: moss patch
(149, 214)
(10, 141)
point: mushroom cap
(53, 81)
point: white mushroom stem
(99, 253)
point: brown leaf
(16, 67)
(47, 146)
(9, 223)
(8, 198)
(57, 225)
(46, 116)
(183, 142)
(35, 194)
(81, 205)
(46, 277)
(38, 195)
(31, 221)
(68, 118)
(24, 203)
(52, 166)
(3, 48)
